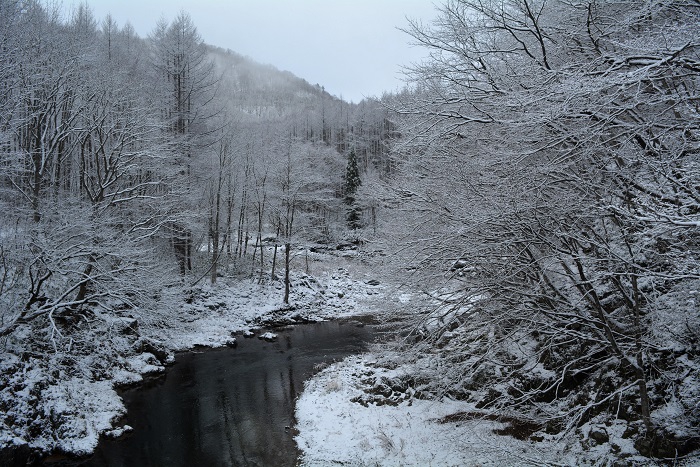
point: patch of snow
(145, 363)
(82, 410)
(405, 297)
(120, 431)
(268, 336)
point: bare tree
(185, 77)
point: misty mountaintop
(261, 91)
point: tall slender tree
(352, 183)
(187, 82)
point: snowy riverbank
(335, 427)
(358, 412)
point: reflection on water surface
(231, 406)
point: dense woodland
(538, 181)
(123, 158)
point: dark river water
(231, 406)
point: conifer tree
(352, 183)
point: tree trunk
(274, 256)
(643, 393)
(82, 290)
(286, 272)
(182, 243)
(215, 256)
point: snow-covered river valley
(231, 406)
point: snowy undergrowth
(60, 395)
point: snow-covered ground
(334, 427)
(370, 410)
(350, 415)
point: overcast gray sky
(351, 47)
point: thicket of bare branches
(553, 163)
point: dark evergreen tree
(352, 183)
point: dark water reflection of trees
(231, 406)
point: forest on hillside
(124, 157)
(537, 183)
